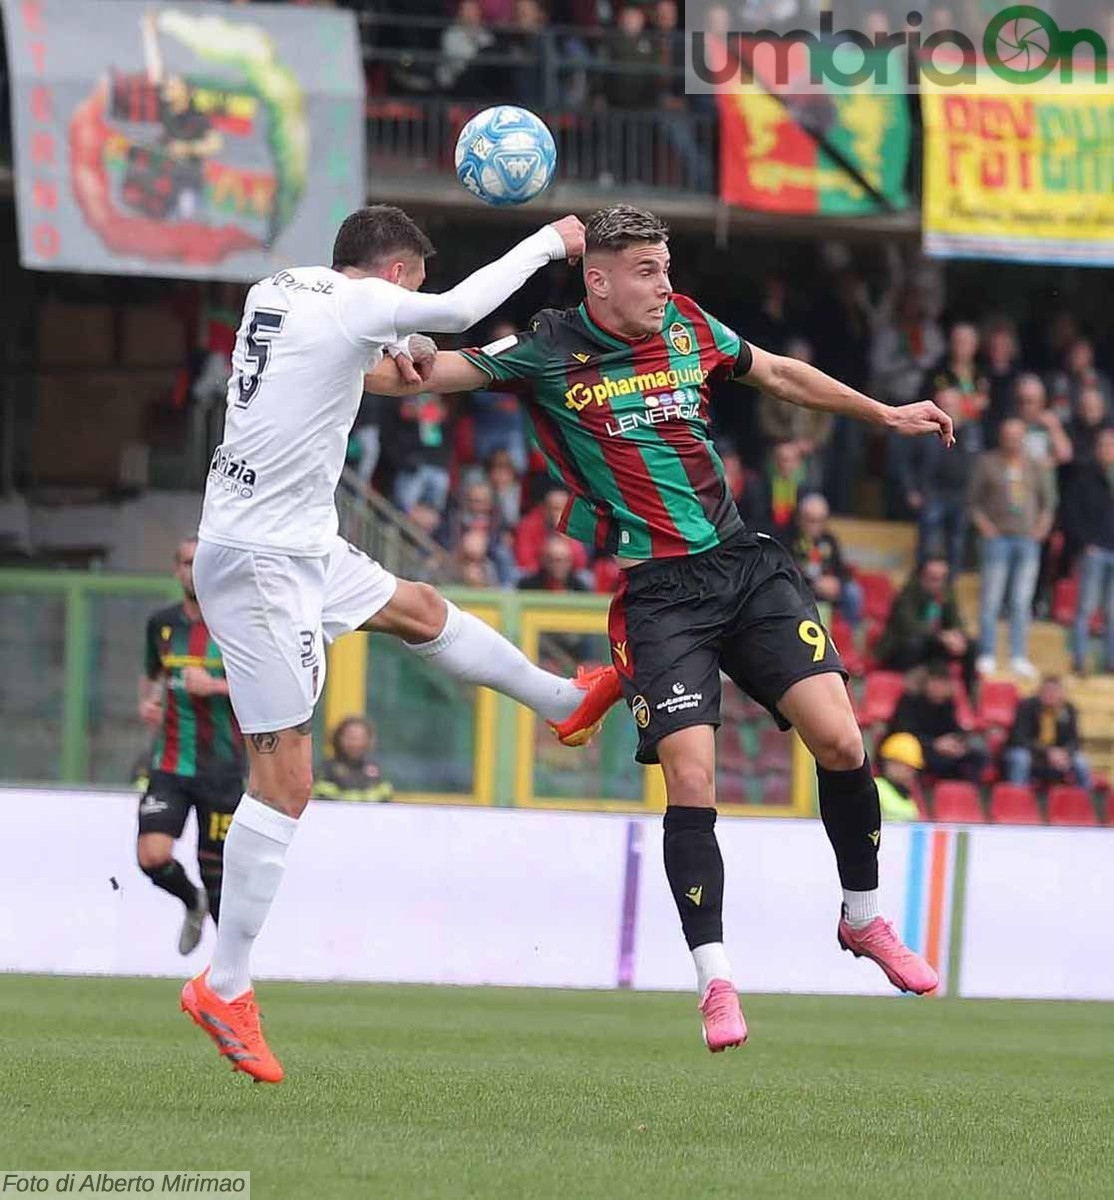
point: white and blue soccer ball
(505, 155)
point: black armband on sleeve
(744, 362)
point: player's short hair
(622, 225)
(371, 234)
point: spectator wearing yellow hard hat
(900, 761)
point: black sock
(213, 892)
(211, 866)
(694, 868)
(172, 878)
(853, 821)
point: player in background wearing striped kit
(197, 760)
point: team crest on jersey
(680, 338)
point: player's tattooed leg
(264, 743)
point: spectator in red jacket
(538, 524)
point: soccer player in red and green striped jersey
(198, 757)
(617, 390)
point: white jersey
(307, 336)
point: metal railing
(615, 121)
(657, 150)
(373, 524)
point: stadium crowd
(1026, 495)
(1026, 498)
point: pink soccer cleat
(877, 941)
(723, 1018)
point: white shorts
(271, 615)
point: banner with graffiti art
(1029, 178)
(826, 152)
(182, 139)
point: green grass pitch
(405, 1092)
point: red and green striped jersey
(199, 734)
(624, 425)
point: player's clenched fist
(571, 230)
(423, 354)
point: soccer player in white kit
(276, 582)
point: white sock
(254, 860)
(711, 963)
(862, 907)
(473, 652)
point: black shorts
(168, 799)
(743, 608)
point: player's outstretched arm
(800, 383)
(451, 372)
(484, 290)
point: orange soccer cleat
(602, 690)
(234, 1026)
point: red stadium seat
(998, 701)
(883, 691)
(878, 594)
(964, 713)
(1070, 806)
(957, 802)
(995, 742)
(1064, 599)
(1014, 804)
(874, 631)
(844, 637)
